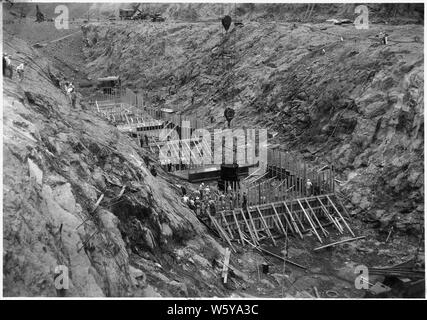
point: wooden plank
(278, 218)
(226, 224)
(289, 224)
(279, 257)
(292, 219)
(316, 292)
(338, 223)
(328, 215)
(225, 265)
(267, 229)
(238, 227)
(221, 232)
(97, 203)
(342, 218)
(342, 205)
(309, 221)
(325, 233)
(248, 226)
(298, 219)
(274, 219)
(253, 224)
(338, 242)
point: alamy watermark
(61, 278)
(62, 21)
(362, 20)
(362, 279)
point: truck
(126, 14)
(109, 85)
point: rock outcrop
(333, 93)
(64, 170)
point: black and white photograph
(212, 150)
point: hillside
(58, 162)
(357, 105)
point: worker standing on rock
(71, 94)
(309, 187)
(185, 199)
(384, 37)
(183, 190)
(20, 71)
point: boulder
(179, 287)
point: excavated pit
(150, 243)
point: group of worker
(8, 72)
(70, 91)
(206, 201)
(200, 201)
(8, 68)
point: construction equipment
(39, 15)
(157, 17)
(109, 84)
(126, 14)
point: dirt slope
(57, 164)
(333, 93)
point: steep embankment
(58, 163)
(334, 93)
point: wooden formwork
(291, 217)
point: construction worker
(4, 64)
(263, 199)
(245, 200)
(185, 198)
(7, 65)
(197, 203)
(73, 97)
(384, 37)
(69, 88)
(201, 190)
(308, 187)
(207, 191)
(222, 200)
(183, 190)
(212, 208)
(153, 171)
(191, 204)
(20, 71)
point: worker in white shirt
(20, 71)
(309, 187)
(185, 199)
